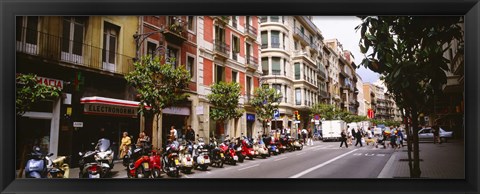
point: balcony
(313, 46)
(302, 55)
(301, 36)
(221, 49)
(234, 23)
(322, 73)
(275, 45)
(50, 48)
(252, 63)
(251, 32)
(276, 72)
(323, 94)
(176, 33)
(263, 19)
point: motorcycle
(272, 147)
(247, 148)
(104, 156)
(237, 146)
(260, 148)
(216, 154)
(200, 155)
(230, 155)
(170, 161)
(185, 156)
(298, 144)
(140, 164)
(88, 165)
(287, 142)
(42, 166)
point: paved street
(327, 160)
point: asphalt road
(322, 160)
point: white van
(332, 129)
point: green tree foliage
(265, 102)
(29, 92)
(158, 85)
(408, 52)
(224, 98)
(329, 112)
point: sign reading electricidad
(105, 109)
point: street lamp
(140, 38)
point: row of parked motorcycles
(178, 156)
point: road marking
(301, 153)
(380, 154)
(357, 154)
(249, 167)
(387, 171)
(280, 159)
(321, 165)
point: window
(151, 49)
(234, 77)
(235, 47)
(274, 18)
(275, 39)
(284, 41)
(219, 73)
(295, 45)
(191, 67)
(285, 67)
(265, 66)
(219, 34)
(172, 56)
(276, 66)
(285, 94)
(72, 39)
(27, 29)
(297, 71)
(110, 38)
(234, 21)
(278, 88)
(191, 23)
(249, 87)
(264, 35)
(248, 50)
(298, 96)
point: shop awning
(110, 101)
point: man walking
(358, 137)
(190, 134)
(343, 139)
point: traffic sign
(276, 114)
(317, 117)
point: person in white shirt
(173, 133)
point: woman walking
(343, 139)
(125, 146)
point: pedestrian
(393, 140)
(125, 146)
(304, 135)
(343, 139)
(310, 137)
(173, 133)
(400, 137)
(190, 134)
(436, 134)
(288, 130)
(358, 137)
(354, 134)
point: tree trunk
(409, 141)
(157, 131)
(416, 157)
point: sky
(343, 29)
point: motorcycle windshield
(103, 144)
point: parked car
(427, 134)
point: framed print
(239, 96)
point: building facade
(228, 50)
(87, 57)
(293, 64)
(362, 102)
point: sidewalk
(437, 161)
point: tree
(29, 92)
(158, 86)
(224, 98)
(408, 52)
(265, 102)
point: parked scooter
(140, 164)
(42, 166)
(237, 146)
(272, 147)
(200, 154)
(230, 155)
(170, 160)
(104, 156)
(216, 154)
(298, 144)
(186, 160)
(247, 148)
(260, 148)
(89, 167)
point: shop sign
(250, 117)
(50, 82)
(105, 109)
(77, 124)
(199, 110)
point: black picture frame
(469, 8)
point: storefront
(107, 118)
(177, 117)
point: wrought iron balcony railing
(221, 47)
(71, 52)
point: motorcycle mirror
(50, 154)
(80, 153)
